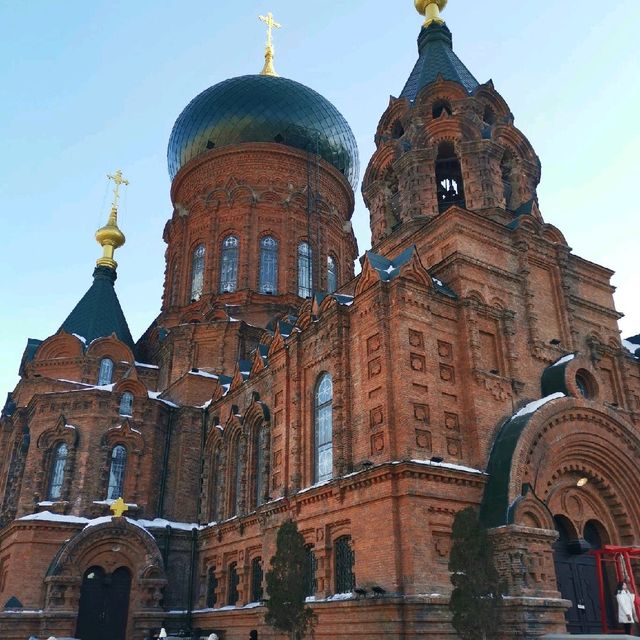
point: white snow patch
(536, 404)
(390, 269)
(252, 605)
(84, 384)
(438, 282)
(144, 365)
(315, 486)
(564, 360)
(449, 465)
(131, 505)
(340, 596)
(161, 523)
(155, 395)
(23, 612)
(81, 338)
(47, 516)
(204, 374)
(70, 426)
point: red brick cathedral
(474, 360)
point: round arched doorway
(104, 604)
(576, 573)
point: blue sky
(89, 87)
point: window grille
(105, 375)
(229, 265)
(268, 265)
(212, 586)
(305, 270)
(197, 273)
(323, 428)
(332, 274)
(344, 565)
(116, 472)
(234, 581)
(58, 464)
(126, 404)
(256, 580)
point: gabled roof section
(99, 314)
(437, 59)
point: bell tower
(446, 141)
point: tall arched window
(197, 272)
(269, 265)
(323, 429)
(105, 375)
(216, 482)
(234, 581)
(448, 178)
(305, 270)
(229, 264)
(56, 477)
(116, 472)
(212, 586)
(312, 563)
(126, 404)
(256, 580)
(332, 274)
(260, 447)
(237, 475)
(344, 561)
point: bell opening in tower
(449, 178)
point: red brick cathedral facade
(474, 360)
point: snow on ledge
(564, 360)
(47, 516)
(161, 523)
(536, 404)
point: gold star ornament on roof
(269, 69)
(431, 9)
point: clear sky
(91, 86)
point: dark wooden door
(578, 582)
(104, 605)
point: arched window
(212, 586)
(216, 483)
(56, 478)
(261, 436)
(105, 375)
(116, 472)
(229, 264)
(256, 580)
(305, 270)
(234, 581)
(332, 274)
(448, 178)
(323, 429)
(197, 273)
(126, 404)
(506, 170)
(344, 561)
(441, 106)
(312, 563)
(237, 474)
(269, 265)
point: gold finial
(119, 507)
(431, 9)
(110, 236)
(269, 69)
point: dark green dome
(260, 108)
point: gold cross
(118, 180)
(271, 24)
(118, 507)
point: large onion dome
(260, 108)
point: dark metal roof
(436, 58)
(258, 108)
(99, 314)
(634, 339)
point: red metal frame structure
(621, 558)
